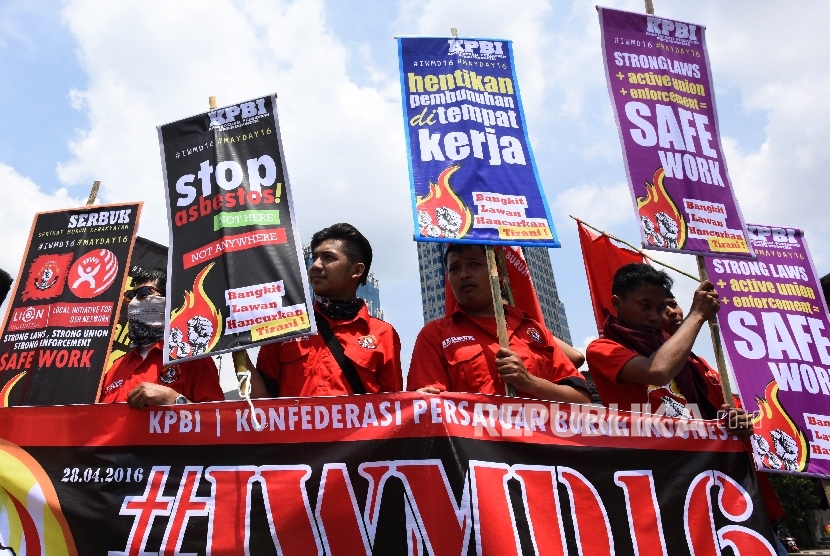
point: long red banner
(383, 474)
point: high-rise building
(431, 266)
(368, 292)
(432, 270)
(541, 272)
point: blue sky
(84, 84)
(39, 67)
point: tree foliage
(799, 497)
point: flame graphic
(5, 392)
(661, 221)
(777, 441)
(31, 519)
(442, 213)
(196, 326)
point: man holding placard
(140, 377)
(354, 353)
(461, 353)
(636, 366)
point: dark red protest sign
(58, 329)
(232, 230)
(405, 473)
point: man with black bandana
(139, 377)
(369, 352)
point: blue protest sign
(473, 178)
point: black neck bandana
(339, 309)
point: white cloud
(600, 205)
(343, 143)
(774, 57)
(23, 199)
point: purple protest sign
(661, 89)
(776, 332)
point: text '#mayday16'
(234, 265)
(58, 328)
(661, 90)
(472, 174)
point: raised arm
(667, 361)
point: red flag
(602, 260)
(521, 286)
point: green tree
(799, 497)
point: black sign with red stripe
(58, 328)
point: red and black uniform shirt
(304, 366)
(196, 380)
(458, 354)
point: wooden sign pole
(93, 193)
(714, 328)
(240, 357)
(501, 321)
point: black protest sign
(146, 255)
(235, 271)
(57, 332)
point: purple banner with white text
(661, 90)
(776, 332)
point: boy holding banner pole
(461, 353)
(639, 368)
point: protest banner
(146, 255)
(775, 326)
(235, 271)
(58, 328)
(660, 85)
(472, 174)
(376, 474)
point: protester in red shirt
(461, 353)
(370, 349)
(139, 377)
(672, 319)
(635, 362)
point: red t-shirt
(606, 358)
(305, 366)
(198, 380)
(458, 354)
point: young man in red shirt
(370, 347)
(635, 362)
(672, 319)
(461, 353)
(139, 377)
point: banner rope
(244, 378)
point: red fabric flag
(518, 273)
(602, 260)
